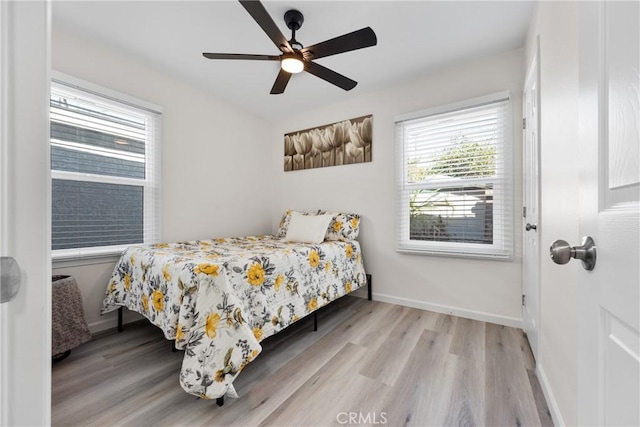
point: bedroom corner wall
(212, 158)
(481, 289)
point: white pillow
(307, 228)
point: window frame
(502, 247)
(151, 183)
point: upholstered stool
(69, 326)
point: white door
(531, 214)
(25, 343)
(609, 140)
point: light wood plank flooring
(369, 363)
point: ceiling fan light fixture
(292, 64)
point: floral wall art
(342, 143)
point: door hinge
(524, 123)
(524, 212)
(524, 300)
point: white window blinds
(105, 159)
(454, 180)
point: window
(454, 180)
(105, 158)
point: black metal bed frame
(220, 400)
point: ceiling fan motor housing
(294, 19)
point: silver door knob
(10, 277)
(561, 252)
(530, 227)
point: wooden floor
(368, 363)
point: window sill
(77, 261)
(451, 254)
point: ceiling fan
(295, 57)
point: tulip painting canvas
(342, 143)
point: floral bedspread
(219, 298)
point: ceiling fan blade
(241, 56)
(262, 17)
(329, 75)
(356, 40)
(280, 83)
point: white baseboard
(110, 321)
(360, 293)
(456, 311)
(548, 395)
(102, 325)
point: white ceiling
(414, 38)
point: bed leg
(315, 321)
(220, 401)
(369, 284)
(120, 310)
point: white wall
(214, 176)
(489, 290)
(556, 25)
(212, 156)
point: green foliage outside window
(461, 159)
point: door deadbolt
(561, 252)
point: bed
(218, 299)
